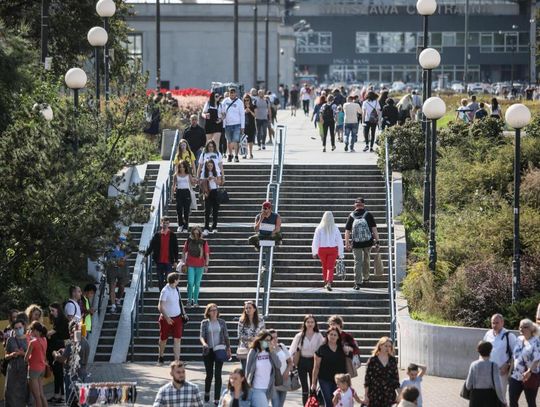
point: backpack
(327, 113)
(360, 229)
(508, 349)
(276, 102)
(373, 116)
(195, 249)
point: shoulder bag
(185, 317)
(341, 270)
(499, 402)
(222, 196)
(465, 392)
(220, 351)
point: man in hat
(360, 235)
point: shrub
(406, 146)
(526, 308)
(489, 128)
(531, 188)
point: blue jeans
(262, 126)
(278, 398)
(351, 130)
(232, 133)
(259, 398)
(194, 275)
(163, 269)
(327, 388)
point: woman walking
(213, 125)
(371, 113)
(197, 259)
(34, 313)
(303, 348)
(16, 386)
(329, 361)
(214, 339)
(56, 338)
(262, 363)
(327, 245)
(36, 358)
(210, 181)
(182, 184)
(237, 393)
(185, 154)
(250, 127)
(484, 380)
(496, 111)
(286, 366)
(524, 377)
(327, 116)
(211, 153)
(382, 378)
(315, 117)
(249, 327)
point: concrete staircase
(306, 192)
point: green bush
(525, 308)
(406, 146)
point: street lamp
(517, 116)
(106, 9)
(97, 37)
(434, 108)
(426, 8)
(255, 45)
(75, 79)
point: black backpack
(327, 113)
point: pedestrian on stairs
(268, 227)
(171, 316)
(164, 250)
(360, 236)
(249, 327)
(196, 257)
(210, 181)
(327, 245)
(350, 346)
(371, 114)
(182, 187)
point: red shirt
(164, 248)
(36, 360)
(196, 261)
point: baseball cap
(267, 204)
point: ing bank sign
(366, 7)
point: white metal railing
(389, 224)
(272, 195)
(144, 281)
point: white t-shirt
(498, 353)
(347, 399)
(170, 301)
(368, 106)
(305, 94)
(416, 383)
(214, 156)
(263, 370)
(72, 309)
(352, 110)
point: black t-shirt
(480, 114)
(371, 223)
(332, 363)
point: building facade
(378, 41)
(197, 42)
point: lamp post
(235, 63)
(106, 9)
(255, 43)
(76, 79)
(517, 116)
(97, 37)
(266, 44)
(44, 29)
(426, 8)
(434, 108)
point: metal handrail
(389, 224)
(272, 194)
(144, 281)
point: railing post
(389, 221)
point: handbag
(278, 377)
(242, 352)
(465, 392)
(350, 367)
(341, 270)
(533, 382)
(184, 316)
(357, 363)
(222, 196)
(193, 205)
(220, 353)
(312, 400)
(499, 402)
(292, 383)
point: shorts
(232, 133)
(339, 127)
(175, 330)
(118, 275)
(36, 374)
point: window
(504, 42)
(314, 43)
(134, 47)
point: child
(345, 395)
(339, 123)
(415, 373)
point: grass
(432, 319)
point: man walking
(171, 316)
(164, 250)
(352, 111)
(195, 137)
(232, 114)
(503, 342)
(72, 307)
(179, 392)
(305, 94)
(294, 99)
(263, 116)
(360, 235)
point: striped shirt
(186, 396)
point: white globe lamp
(97, 36)
(75, 78)
(518, 116)
(105, 8)
(426, 7)
(434, 108)
(429, 58)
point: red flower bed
(182, 92)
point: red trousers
(328, 257)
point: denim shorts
(232, 133)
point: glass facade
(318, 42)
(134, 47)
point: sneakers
(160, 360)
(366, 148)
(324, 149)
(113, 308)
(213, 230)
(205, 232)
(206, 397)
(260, 147)
(117, 302)
(346, 147)
(353, 150)
(356, 287)
(236, 159)
(263, 147)
(371, 150)
(329, 286)
(229, 159)
(333, 148)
